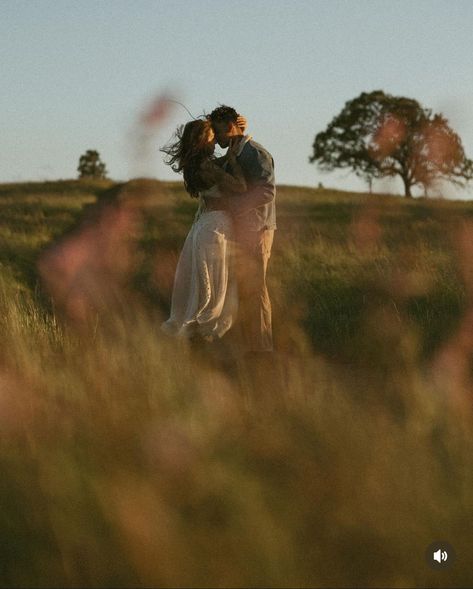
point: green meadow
(128, 459)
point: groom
(254, 218)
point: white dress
(205, 296)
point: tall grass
(128, 459)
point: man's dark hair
(223, 113)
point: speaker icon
(440, 555)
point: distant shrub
(90, 165)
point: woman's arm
(227, 182)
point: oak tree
(378, 135)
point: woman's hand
(232, 149)
(242, 123)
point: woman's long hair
(188, 151)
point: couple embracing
(220, 279)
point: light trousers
(253, 252)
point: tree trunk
(407, 187)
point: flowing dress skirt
(205, 296)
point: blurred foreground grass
(127, 459)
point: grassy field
(127, 459)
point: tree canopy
(378, 135)
(90, 165)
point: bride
(205, 298)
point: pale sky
(76, 74)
